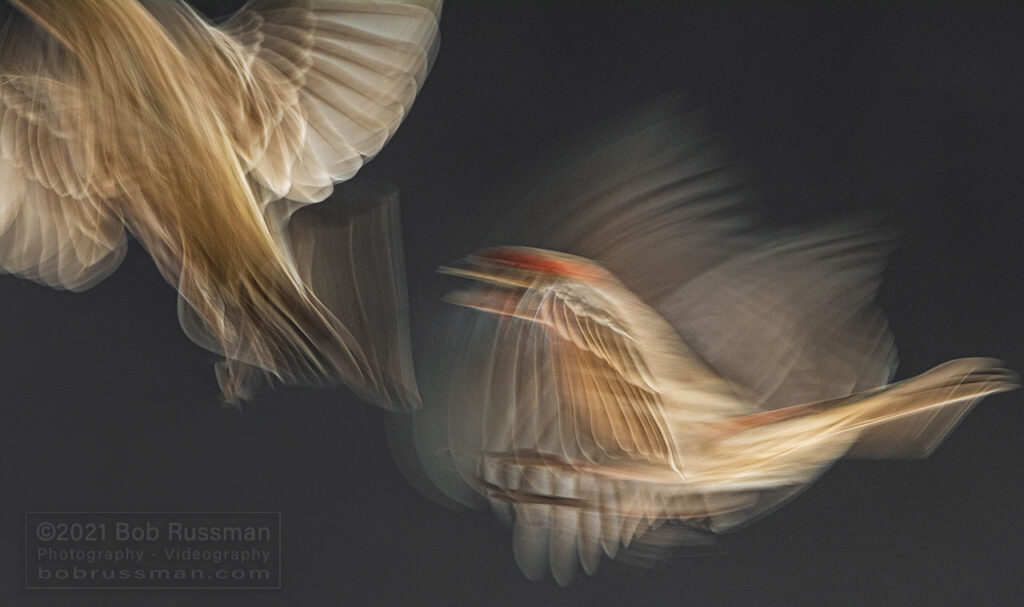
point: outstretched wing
(308, 90)
(655, 198)
(311, 90)
(652, 197)
(57, 226)
(794, 318)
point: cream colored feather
(121, 114)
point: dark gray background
(918, 112)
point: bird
(207, 143)
(671, 361)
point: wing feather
(334, 79)
(601, 377)
(57, 225)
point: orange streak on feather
(540, 263)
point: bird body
(703, 417)
(636, 429)
(654, 355)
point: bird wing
(566, 378)
(57, 226)
(652, 197)
(566, 515)
(793, 320)
(534, 399)
(606, 390)
(311, 90)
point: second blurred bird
(205, 141)
(682, 364)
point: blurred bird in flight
(204, 141)
(681, 365)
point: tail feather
(918, 433)
(914, 436)
(906, 419)
(787, 448)
(957, 382)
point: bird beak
(491, 270)
(494, 301)
(500, 285)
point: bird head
(526, 267)
(508, 274)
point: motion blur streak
(681, 365)
(203, 141)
